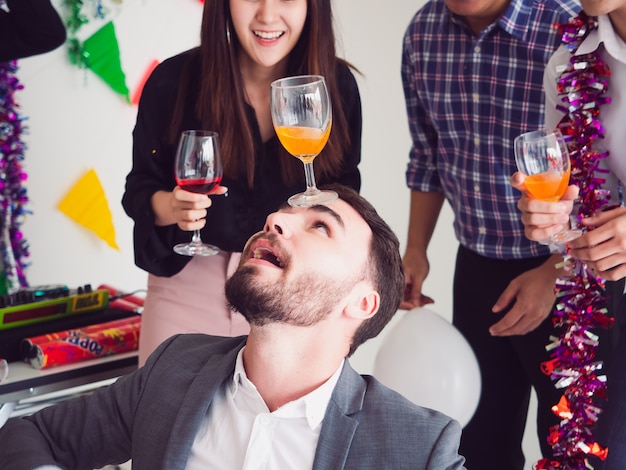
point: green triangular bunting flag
(102, 56)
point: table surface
(24, 381)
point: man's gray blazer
(153, 414)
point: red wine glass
(198, 169)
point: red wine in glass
(199, 185)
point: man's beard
(303, 301)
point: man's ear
(364, 302)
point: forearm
(423, 215)
(162, 207)
(80, 433)
(554, 267)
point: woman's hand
(186, 209)
(603, 247)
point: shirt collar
(312, 406)
(604, 34)
(515, 20)
(239, 375)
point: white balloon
(426, 359)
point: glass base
(566, 236)
(558, 241)
(308, 199)
(196, 249)
(562, 237)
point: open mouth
(268, 35)
(266, 254)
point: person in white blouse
(314, 284)
(603, 248)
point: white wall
(76, 123)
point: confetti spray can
(96, 327)
(28, 349)
(92, 342)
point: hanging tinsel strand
(75, 20)
(582, 86)
(13, 196)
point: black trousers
(509, 366)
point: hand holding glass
(543, 158)
(198, 169)
(302, 117)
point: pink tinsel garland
(574, 368)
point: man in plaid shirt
(472, 73)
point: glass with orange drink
(543, 158)
(302, 118)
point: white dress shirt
(239, 431)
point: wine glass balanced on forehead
(543, 158)
(198, 169)
(302, 118)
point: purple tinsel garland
(574, 368)
(13, 198)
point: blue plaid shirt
(467, 98)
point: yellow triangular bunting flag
(86, 204)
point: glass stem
(195, 239)
(309, 174)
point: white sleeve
(550, 78)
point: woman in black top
(224, 85)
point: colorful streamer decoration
(13, 198)
(100, 52)
(74, 21)
(581, 307)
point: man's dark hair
(384, 265)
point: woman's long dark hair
(222, 104)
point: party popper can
(27, 346)
(79, 345)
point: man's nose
(280, 224)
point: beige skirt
(191, 301)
